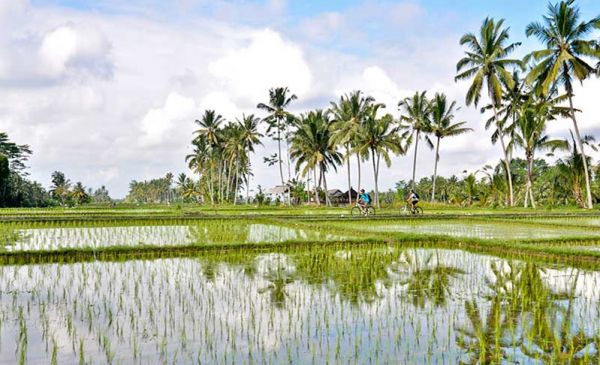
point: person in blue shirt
(364, 199)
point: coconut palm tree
(441, 115)
(60, 187)
(312, 147)
(486, 61)
(201, 162)
(562, 60)
(378, 137)
(348, 116)
(279, 101)
(249, 138)
(417, 112)
(209, 136)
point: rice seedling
(339, 304)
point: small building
(336, 196)
(281, 192)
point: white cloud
(158, 122)
(111, 98)
(267, 61)
(71, 47)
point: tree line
(523, 96)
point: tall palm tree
(417, 110)
(348, 116)
(379, 137)
(530, 135)
(561, 61)
(313, 147)
(440, 125)
(279, 101)
(209, 134)
(201, 162)
(250, 137)
(486, 61)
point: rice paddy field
(162, 286)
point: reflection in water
(475, 229)
(200, 232)
(366, 304)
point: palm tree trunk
(349, 179)
(317, 198)
(279, 151)
(579, 143)
(437, 157)
(375, 156)
(308, 186)
(210, 185)
(289, 165)
(327, 200)
(530, 180)
(228, 184)
(359, 176)
(237, 168)
(415, 160)
(511, 200)
(247, 188)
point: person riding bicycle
(413, 199)
(363, 199)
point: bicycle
(408, 209)
(364, 211)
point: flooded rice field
(341, 304)
(480, 229)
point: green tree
(417, 114)
(562, 60)
(313, 148)
(249, 138)
(441, 115)
(348, 116)
(379, 137)
(486, 61)
(279, 101)
(80, 196)
(60, 187)
(208, 142)
(530, 135)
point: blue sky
(107, 90)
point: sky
(107, 91)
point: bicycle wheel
(418, 211)
(370, 211)
(355, 212)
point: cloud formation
(108, 96)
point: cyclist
(363, 199)
(413, 199)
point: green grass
(568, 233)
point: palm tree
(79, 195)
(417, 110)
(313, 148)
(276, 107)
(561, 60)
(486, 62)
(530, 135)
(379, 137)
(440, 125)
(249, 138)
(199, 160)
(209, 135)
(348, 117)
(60, 186)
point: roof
(335, 192)
(279, 189)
